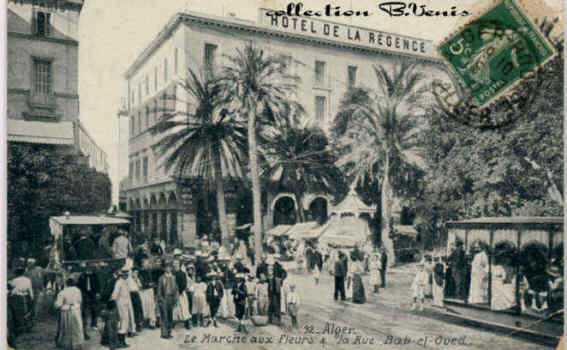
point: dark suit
(262, 269)
(274, 295)
(340, 274)
(457, 264)
(384, 261)
(90, 286)
(167, 296)
(215, 292)
(85, 249)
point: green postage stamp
(493, 52)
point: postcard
(275, 174)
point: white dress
(121, 295)
(478, 293)
(503, 292)
(70, 325)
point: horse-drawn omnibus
(508, 271)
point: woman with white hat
(70, 333)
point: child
(374, 266)
(240, 293)
(215, 291)
(293, 303)
(199, 301)
(262, 297)
(109, 335)
(418, 287)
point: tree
(209, 144)
(376, 132)
(299, 160)
(48, 180)
(257, 82)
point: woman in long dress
(70, 333)
(199, 301)
(358, 293)
(478, 293)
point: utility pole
(122, 112)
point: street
(384, 322)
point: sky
(113, 33)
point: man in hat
(262, 268)
(383, 265)
(215, 292)
(89, 286)
(457, 263)
(182, 304)
(37, 277)
(168, 294)
(121, 247)
(274, 296)
(340, 274)
(121, 296)
(239, 266)
(156, 249)
(239, 294)
(85, 247)
(201, 266)
(21, 300)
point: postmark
(490, 58)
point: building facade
(43, 57)
(329, 57)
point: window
(155, 79)
(320, 107)
(147, 117)
(131, 171)
(147, 82)
(209, 59)
(132, 125)
(133, 97)
(145, 168)
(138, 170)
(165, 77)
(42, 23)
(176, 60)
(352, 76)
(139, 122)
(139, 92)
(319, 72)
(155, 111)
(42, 77)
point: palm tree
(377, 131)
(257, 82)
(299, 160)
(209, 143)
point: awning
(89, 220)
(53, 133)
(304, 230)
(279, 230)
(338, 240)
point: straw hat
(238, 257)
(554, 270)
(270, 260)
(177, 251)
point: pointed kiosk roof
(353, 204)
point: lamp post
(122, 112)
